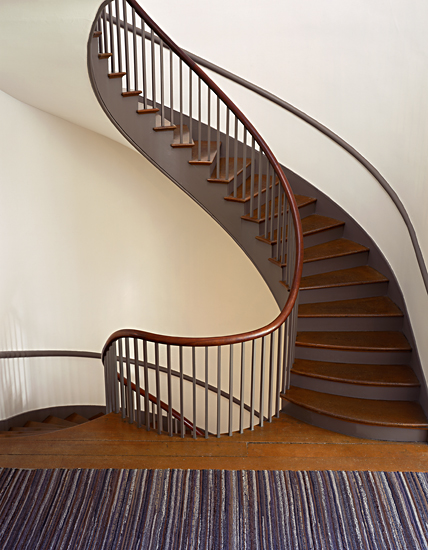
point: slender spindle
(134, 46)
(122, 382)
(271, 361)
(259, 186)
(267, 199)
(190, 105)
(199, 119)
(146, 385)
(119, 37)
(285, 357)
(158, 388)
(244, 165)
(180, 349)
(112, 48)
(114, 378)
(253, 384)
(235, 160)
(137, 381)
(107, 383)
(242, 396)
(125, 24)
(278, 369)
(231, 390)
(194, 390)
(273, 194)
(280, 238)
(104, 31)
(206, 392)
(262, 382)
(181, 101)
(171, 86)
(144, 62)
(169, 384)
(252, 178)
(218, 138)
(153, 69)
(209, 124)
(162, 90)
(287, 231)
(227, 142)
(218, 390)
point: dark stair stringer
(356, 368)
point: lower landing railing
(204, 385)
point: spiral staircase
(354, 367)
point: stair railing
(235, 380)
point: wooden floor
(285, 444)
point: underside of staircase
(356, 369)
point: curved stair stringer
(346, 398)
(174, 163)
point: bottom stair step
(393, 414)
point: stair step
(41, 425)
(98, 415)
(378, 306)
(327, 251)
(77, 418)
(59, 422)
(311, 225)
(301, 201)
(247, 196)
(104, 55)
(116, 75)
(389, 341)
(361, 275)
(351, 373)
(186, 137)
(131, 93)
(204, 153)
(227, 178)
(97, 34)
(147, 111)
(394, 414)
(32, 429)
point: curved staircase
(48, 425)
(354, 368)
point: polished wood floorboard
(284, 444)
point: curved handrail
(294, 289)
(163, 405)
(334, 137)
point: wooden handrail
(294, 289)
(163, 405)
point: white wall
(361, 69)
(95, 239)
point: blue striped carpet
(212, 509)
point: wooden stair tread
(131, 93)
(377, 306)
(350, 373)
(77, 418)
(360, 275)
(310, 226)
(97, 34)
(327, 251)
(41, 425)
(204, 153)
(301, 201)
(396, 414)
(227, 178)
(247, 195)
(104, 55)
(186, 136)
(116, 75)
(332, 249)
(34, 429)
(59, 422)
(149, 110)
(98, 415)
(355, 341)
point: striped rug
(212, 509)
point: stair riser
(355, 390)
(323, 237)
(352, 429)
(349, 323)
(333, 264)
(358, 357)
(342, 293)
